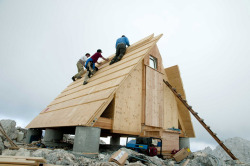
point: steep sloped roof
(80, 105)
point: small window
(153, 62)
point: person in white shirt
(80, 65)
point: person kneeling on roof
(120, 46)
(90, 65)
(80, 65)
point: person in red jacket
(90, 65)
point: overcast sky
(41, 41)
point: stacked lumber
(21, 161)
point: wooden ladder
(200, 120)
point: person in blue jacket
(120, 48)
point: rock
(169, 163)
(23, 152)
(20, 136)
(239, 147)
(6, 143)
(24, 131)
(8, 152)
(156, 160)
(10, 128)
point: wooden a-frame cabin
(127, 98)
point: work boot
(111, 62)
(85, 82)
(73, 78)
(79, 77)
(118, 59)
(90, 74)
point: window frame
(154, 61)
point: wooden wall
(166, 108)
(170, 108)
(127, 107)
(154, 104)
(170, 141)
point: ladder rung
(184, 100)
(215, 133)
(196, 113)
(174, 89)
(208, 127)
(190, 107)
(179, 94)
(202, 119)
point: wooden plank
(154, 98)
(126, 132)
(107, 74)
(75, 116)
(11, 164)
(104, 123)
(100, 95)
(16, 161)
(92, 89)
(143, 93)
(38, 159)
(127, 115)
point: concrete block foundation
(53, 135)
(87, 140)
(115, 140)
(184, 142)
(33, 135)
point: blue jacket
(122, 40)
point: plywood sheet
(170, 141)
(170, 108)
(127, 115)
(154, 98)
(73, 116)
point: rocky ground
(206, 157)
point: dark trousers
(120, 51)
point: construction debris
(119, 157)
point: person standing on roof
(120, 48)
(90, 65)
(80, 65)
